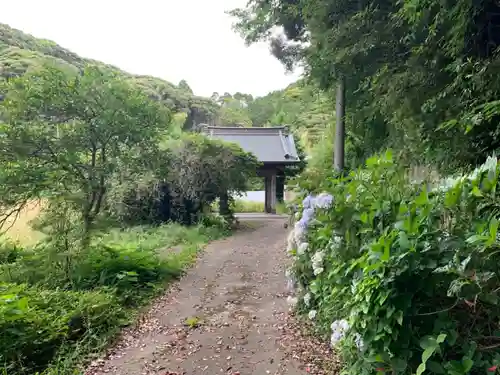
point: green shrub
(191, 173)
(9, 251)
(131, 272)
(36, 324)
(404, 279)
(58, 305)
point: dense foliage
(419, 74)
(404, 277)
(99, 150)
(192, 172)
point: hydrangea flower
(299, 233)
(358, 341)
(317, 262)
(323, 201)
(308, 202)
(302, 248)
(312, 314)
(307, 216)
(335, 242)
(290, 243)
(307, 299)
(339, 330)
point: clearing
(228, 315)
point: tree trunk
(224, 209)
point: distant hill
(20, 52)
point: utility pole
(339, 150)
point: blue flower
(308, 202)
(324, 201)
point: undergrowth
(57, 308)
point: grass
(69, 307)
(243, 206)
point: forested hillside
(20, 52)
(305, 109)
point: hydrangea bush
(401, 279)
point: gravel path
(235, 300)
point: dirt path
(237, 291)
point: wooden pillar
(273, 193)
(270, 192)
(267, 195)
(280, 188)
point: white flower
(337, 240)
(312, 314)
(307, 299)
(318, 257)
(299, 233)
(334, 340)
(291, 244)
(358, 341)
(302, 248)
(339, 329)
(318, 270)
(317, 262)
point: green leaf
(476, 192)
(435, 367)
(493, 228)
(398, 364)
(428, 342)
(467, 363)
(421, 369)
(404, 243)
(440, 339)
(428, 353)
(475, 239)
(423, 198)
(399, 317)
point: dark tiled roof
(271, 145)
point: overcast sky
(170, 39)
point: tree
(183, 85)
(418, 73)
(233, 112)
(66, 135)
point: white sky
(170, 39)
